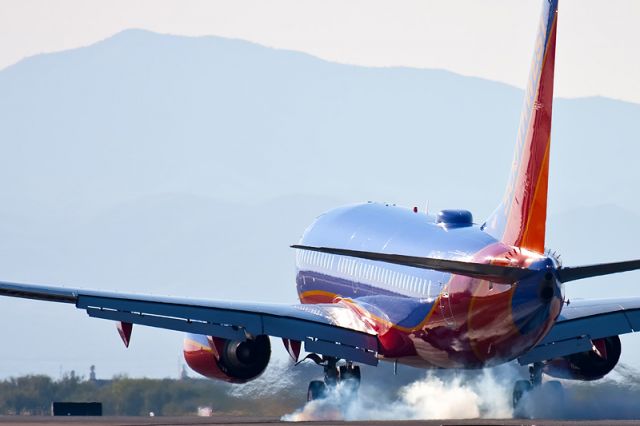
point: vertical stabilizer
(520, 218)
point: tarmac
(257, 421)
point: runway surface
(256, 421)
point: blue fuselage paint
(426, 317)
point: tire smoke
(479, 394)
(278, 377)
(439, 395)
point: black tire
(520, 388)
(352, 373)
(350, 376)
(317, 390)
(331, 377)
(554, 389)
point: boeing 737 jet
(378, 282)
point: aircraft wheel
(331, 376)
(554, 389)
(317, 390)
(553, 394)
(350, 375)
(520, 388)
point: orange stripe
(534, 232)
(510, 239)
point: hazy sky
(597, 55)
(597, 41)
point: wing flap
(340, 351)
(328, 329)
(187, 326)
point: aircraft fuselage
(424, 317)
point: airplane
(378, 282)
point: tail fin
(520, 218)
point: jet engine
(590, 365)
(228, 360)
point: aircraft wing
(583, 321)
(327, 329)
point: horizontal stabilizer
(495, 273)
(580, 272)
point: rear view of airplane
(380, 282)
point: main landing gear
(348, 375)
(552, 390)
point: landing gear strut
(552, 389)
(522, 387)
(348, 374)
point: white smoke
(278, 376)
(614, 397)
(487, 394)
(433, 397)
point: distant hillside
(144, 113)
(176, 165)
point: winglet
(124, 330)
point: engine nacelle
(228, 360)
(590, 365)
